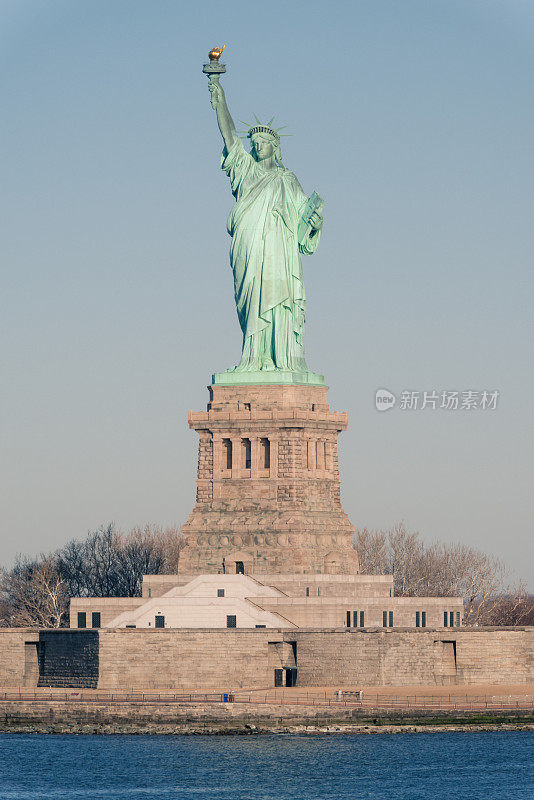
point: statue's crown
(265, 129)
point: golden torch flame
(215, 53)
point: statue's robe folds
(266, 260)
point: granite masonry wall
(185, 659)
(308, 585)
(333, 601)
(331, 612)
(68, 658)
(214, 659)
(268, 487)
(219, 659)
(399, 657)
(107, 607)
(18, 657)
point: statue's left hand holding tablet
(316, 221)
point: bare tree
(149, 550)
(406, 554)
(512, 610)
(107, 563)
(372, 551)
(111, 563)
(440, 570)
(72, 565)
(480, 580)
(34, 593)
(394, 552)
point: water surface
(428, 766)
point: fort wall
(18, 657)
(214, 659)
(185, 659)
(225, 659)
(401, 658)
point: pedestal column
(287, 518)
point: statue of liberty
(272, 223)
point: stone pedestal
(268, 487)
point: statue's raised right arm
(224, 118)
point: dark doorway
(239, 568)
(31, 663)
(279, 677)
(160, 621)
(449, 653)
(291, 676)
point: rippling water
(489, 766)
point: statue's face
(262, 148)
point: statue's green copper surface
(272, 223)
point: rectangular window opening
(348, 619)
(391, 619)
(384, 619)
(362, 619)
(417, 619)
(457, 619)
(159, 621)
(423, 619)
(445, 619)
(307, 591)
(231, 621)
(220, 592)
(82, 619)
(227, 453)
(265, 453)
(245, 443)
(95, 619)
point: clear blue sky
(414, 120)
